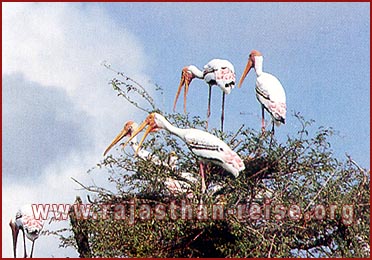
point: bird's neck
(258, 65)
(196, 72)
(173, 129)
(134, 143)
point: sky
(60, 113)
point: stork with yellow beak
(203, 144)
(127, 131)
(269, 91)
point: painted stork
(216, 72)
(129, 127)
(203, 144)
(269, 91)
(127, 131)
(173, 185)
(30, 226)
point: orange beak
(149, 121)
(245, 73)
(186, 79)
(120, 136)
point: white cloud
(61, 45)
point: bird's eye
(220, 149)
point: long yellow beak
(120, 136)
(245, 73)
(137, 131)
(185, 81)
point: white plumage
(269, 91)
(216, 72)
(31, 228)
(203, 144)
(178, 187)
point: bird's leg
(223, 110)
(24, 244)
(263, 119)
(271, 136)
(209, 105)
(32, 248)
(202, 177)
(15, 231)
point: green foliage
(301, 171)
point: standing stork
(30, 226)
(216, 72)
(269, 91)
(203, 144)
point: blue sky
(59, 113)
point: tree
(294, 199)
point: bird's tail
(279, 121)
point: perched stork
(173, 185)
(30, 226)
(127, 131)
(216, 72)
(203, 144)
(269, 90)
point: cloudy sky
(59, 113)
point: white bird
(216, 72)
(269, 91)
(203, 144)
(30, 226)
(173, 185)
(127, 131)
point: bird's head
(154, 123)
(250, 64)
(186, 78)
(128, 129)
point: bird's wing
(203, 144)
(209, 147)
(225, 79)
(176, 186)
(271, 94)
(31, 224)
(221, 73)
